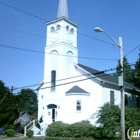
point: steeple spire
(62, 9)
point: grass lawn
(18, 137)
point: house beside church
(71, 92)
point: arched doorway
(53, 111)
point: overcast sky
(20, 68)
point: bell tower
(61, 44)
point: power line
(60, 80)
(13, 30)
(94, 74)
(132, 50)
(97, 73)
(48, 21)
(79, 80)
(22, 11)
(27, 33)
(35, 51)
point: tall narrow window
(53, 80)
(112, 97)
(78, 105)
(126, 100)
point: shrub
(57, 129)
(10, 126)
(51, 138)
(1, 133)
(30, 133)
(10, 132)
(81, 130)
(76, 130)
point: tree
(136, 74)
(127, 71)
(8, 110)
(27, 101)
(109, 119)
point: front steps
(37, 131)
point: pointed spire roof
(62, 9)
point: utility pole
(120, 80)
(11, 91)
(12, 88)
(121, 84)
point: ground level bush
(10, 132)
(30, 133)
(76, 130)
(57, 129)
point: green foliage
(56, 129)
(30, 133)
(136, 74)
(51, 138)
(132, 118)
(127, 71)
(81, 130)
(12, 105)
(76, 130)
(131, 73)
(8, 110)
(108, 120)
(9, 126)
(27, 101)
(10, 132)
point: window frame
(112, 95)
(78, 106)
(53, 80)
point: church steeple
(62, 9)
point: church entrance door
(52, 111)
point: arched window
(67, 28)
(53, 80)
(52, 29)
(58, 27)
(72, 30)
(50, 106)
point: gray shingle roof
(105, 77)
(77, 90)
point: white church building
(71, 92)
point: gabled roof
(76, 90)
(105, 77)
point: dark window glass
(126, 100)
(50, 106)
(78, 105)
(112, 97)
(53, 80)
